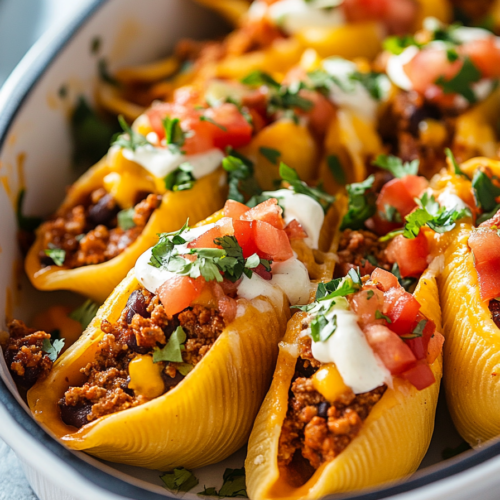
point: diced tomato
(381, 226)
(321, 113)
(384, 279)
(234, 209)
(244, 233)
(420, 376)
(485, 245)
(226, 305)
(420, 345)
(295, 231)
(415, 184)
(435, 347)
(222, 228)
(178, 292)
(227, 308)
(268, 211)
(366, 303)
(394, 353)
(494, 221)
(402, 309)
(410, 254)
(271, 241)
(485, 55)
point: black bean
(131, 341)
(304, 368)
(75, 415)
(170, 327)
(137, 304)
(126, 389)
(323, 409)
(419, 115)
(104, 211)
(171, 382)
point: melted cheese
(145, 377)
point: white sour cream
(395, 70)
(359, 366)
(293, 278)
(161, 161)
(351, 94)
(307, 211)
(294, 15)
(451, 201)
(250, 288)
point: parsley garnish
(339, 287)
(179, 480)
(85, 313)
(172, 351)
(395, 165)
(234, 485)
(204, 118)
(270, 154)
(369, 294)
(336, 169)
(485, 191)
(391, 214)
(53, 349)
(454, 164)
(130, 140)
(24, 222)
(257, 77)
(175, 137)
(381, 315)
(181, 179)
(56, 254)
(240, 177)
(417, 332)
(319, 332)
(126, 219)
(361, 205)
(462, 81)
(290, 175)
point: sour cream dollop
(293, 278)
(307, 211)
(347, 347)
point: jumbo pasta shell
(98, 281)
(390, 445)
(472, 347)
(207, 417)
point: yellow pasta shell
(390, 445)
(472, 347)
(98, 281)
(206, 418)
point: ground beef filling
(315, 429)
(24, 354)
(89, 232)
(494, 306)
(143, 325)
(360, 248)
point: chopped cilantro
(126, 219)
(486, 192)
(174, 135)
(290, 175)
(104, 73)
(242, 183)
(369, 294)
(173, 349)
(336, 169)
(381, 315)
(257, 78)
(53, 349)
(130, 140)
(319, 332)
(164, 250)
(395, 165)
(451, 54)
(181, 179)
(417, 331)
(204, 118)
(184, 368)
(408, 284)
(179, 479)
(462, 81)
(85, 313)
(391, 214)
(234, 485)
(25, 223)
(56, 254)
(270, 154)
(361, 205)
(397, 44)
(375, 83)
(340, 287)
(454, 163)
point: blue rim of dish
(92, 473)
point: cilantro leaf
(173, 349)
(485, 191)
(397, 44)
(126, 219)
(408, 284)
(204, 118)
(361, 204)
(257, 78)
(270, 154)
(375, 83)
(85, 313)
(163, 252)
(395, 165)
(341, 287)
(56, 254)
(290, 175)
(24, 222)
(380, 315)
(336, 169)
(462, 81)
(454, 163)
(130, 139)
(417, 332)
(240, 177)
(321, 329)
(234, 484)
(53, 349)
(184, 368)
(174, 135)
(179, 479)
(181, 179)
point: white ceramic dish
(35, 153)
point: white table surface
(22, 22)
